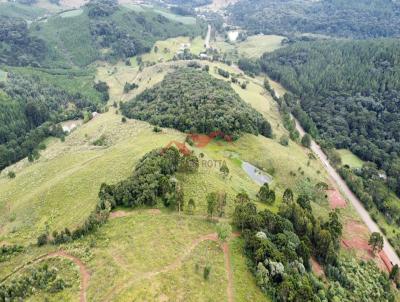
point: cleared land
(253, 47)
(350, 159)
(165, 13)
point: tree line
(347, 95)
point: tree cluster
(42, 278)
(280, 246)
(17, 46)
(7, 251)
(193, 101)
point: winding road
(178, 263)
(345, 190)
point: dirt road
(84, 272)
(208, 37)
(338, 180)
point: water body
(233, 35)
(257, 175)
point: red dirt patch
(317, 268)
(200, 140)
(335, 199)
(84, 272)
(355, 237)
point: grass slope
(16, 10)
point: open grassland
(350, 159)
(71, 13)
(252, 47)
(151, 255)
(61, 188)
(3, 76)
(141, 252)
(255, 46)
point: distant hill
(357, 19)
(101, 30)
(193, 101)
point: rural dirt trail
(178, 263)
(208, 37)
(341, 184)
(84, 272)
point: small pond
(257, 175)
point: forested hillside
(108, 31)
(31, 106)
(358, 19)
(17, 46)
(103, 30)
(193, 101)
(351, 91)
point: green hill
(108, 32)
(191, 100)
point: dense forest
(193, 101)
(351, 92)
(280, 247)
(30, 109)
(17, 46)
(357, 19)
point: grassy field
(165, 13)
(253, 47)
(71, 13)
(350, 159)
(245, 285)
(168, 48)
(3, 76)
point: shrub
(284, 140)
(206, 272)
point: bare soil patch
(336, 200)
(122, 213)
(355, 237)
(317, 268)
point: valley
(82, 211)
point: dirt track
(84, 272)
(178, 263)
